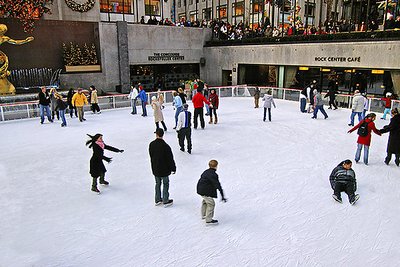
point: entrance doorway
(226, 77)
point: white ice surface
(275, 175)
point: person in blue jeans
(143, 98)
(365, 141)
(61, 107)
(357, 107)
(162, 165)
(177, 102)
(44, 102)
(319, 104)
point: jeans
(207, 109)
(177, 111)
(144, 109)
(165, 193)
(61, 112)
(385, 112)
(353, 114)
(265, 114)
(47, 110)
(303, 103)
(358, 153)
(321, 107)
(133, 104)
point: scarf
(100, 144)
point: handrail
(29, 109)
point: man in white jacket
(357, 107)
(133, 97)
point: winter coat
(393, 146)
(268, 100)
(198, 100)
(183, 97)
(209, 183)
(96, 162)
(162, 160)
(93, 97)
(388, 101)
(53, 102)
(158, 115)
(79, 100)
(358, 103)
(143, 96)
(69, 99)
(214, 100)
(177, 102)
(133, 94)
(318, 99)
(365, 140)
(61, 105)
(44, 99)
(341, 175)
(331, 94)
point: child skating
(207, 188)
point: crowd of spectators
(227, 31)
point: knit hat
(388, 94)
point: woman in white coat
(268, 102)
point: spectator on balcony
(268, 31)
(275, 32)
(363, 27)
(142, 20)
(397, 23)
(373, 26)
(390, 23)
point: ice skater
(178, 106)
(268, 102)
(393, 146)
(133, 95)
(357, 107)
(162, 165)
(343, 179)
(364, 136)
(44, 102)
(156, 104)
(318, 105)
(388, 104)
(143, 99)
(214, 103)
(61, 107)
(207, 188)
(97, 168)
(183, 129)
(94, 100)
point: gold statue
(5, 86)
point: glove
(121, 150)
(348, 131)
(224, 200)
(173, 172)
(108, 160)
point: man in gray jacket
(357, 107)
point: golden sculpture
(5, 86)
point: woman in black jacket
(69, 102)
(393, 146)
(97, 168)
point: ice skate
(212, 222)
(158, 203)
(354, 200)
(338, 199)
(105, 183)
(94, 189)
(168, 203)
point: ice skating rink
(275, 175)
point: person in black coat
(332, 95)
(207, 188)
(69, 101)
(343, 178)
(393, 146)
(97, 168)
(44, 102)
(162, 165)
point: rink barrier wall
(26, 110)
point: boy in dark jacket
(343, 178)
(207, 188)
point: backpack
(363, 129)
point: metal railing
(30, 109)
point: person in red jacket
(365, 141)
(198, 104)
(388, 104)
(214, 100)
